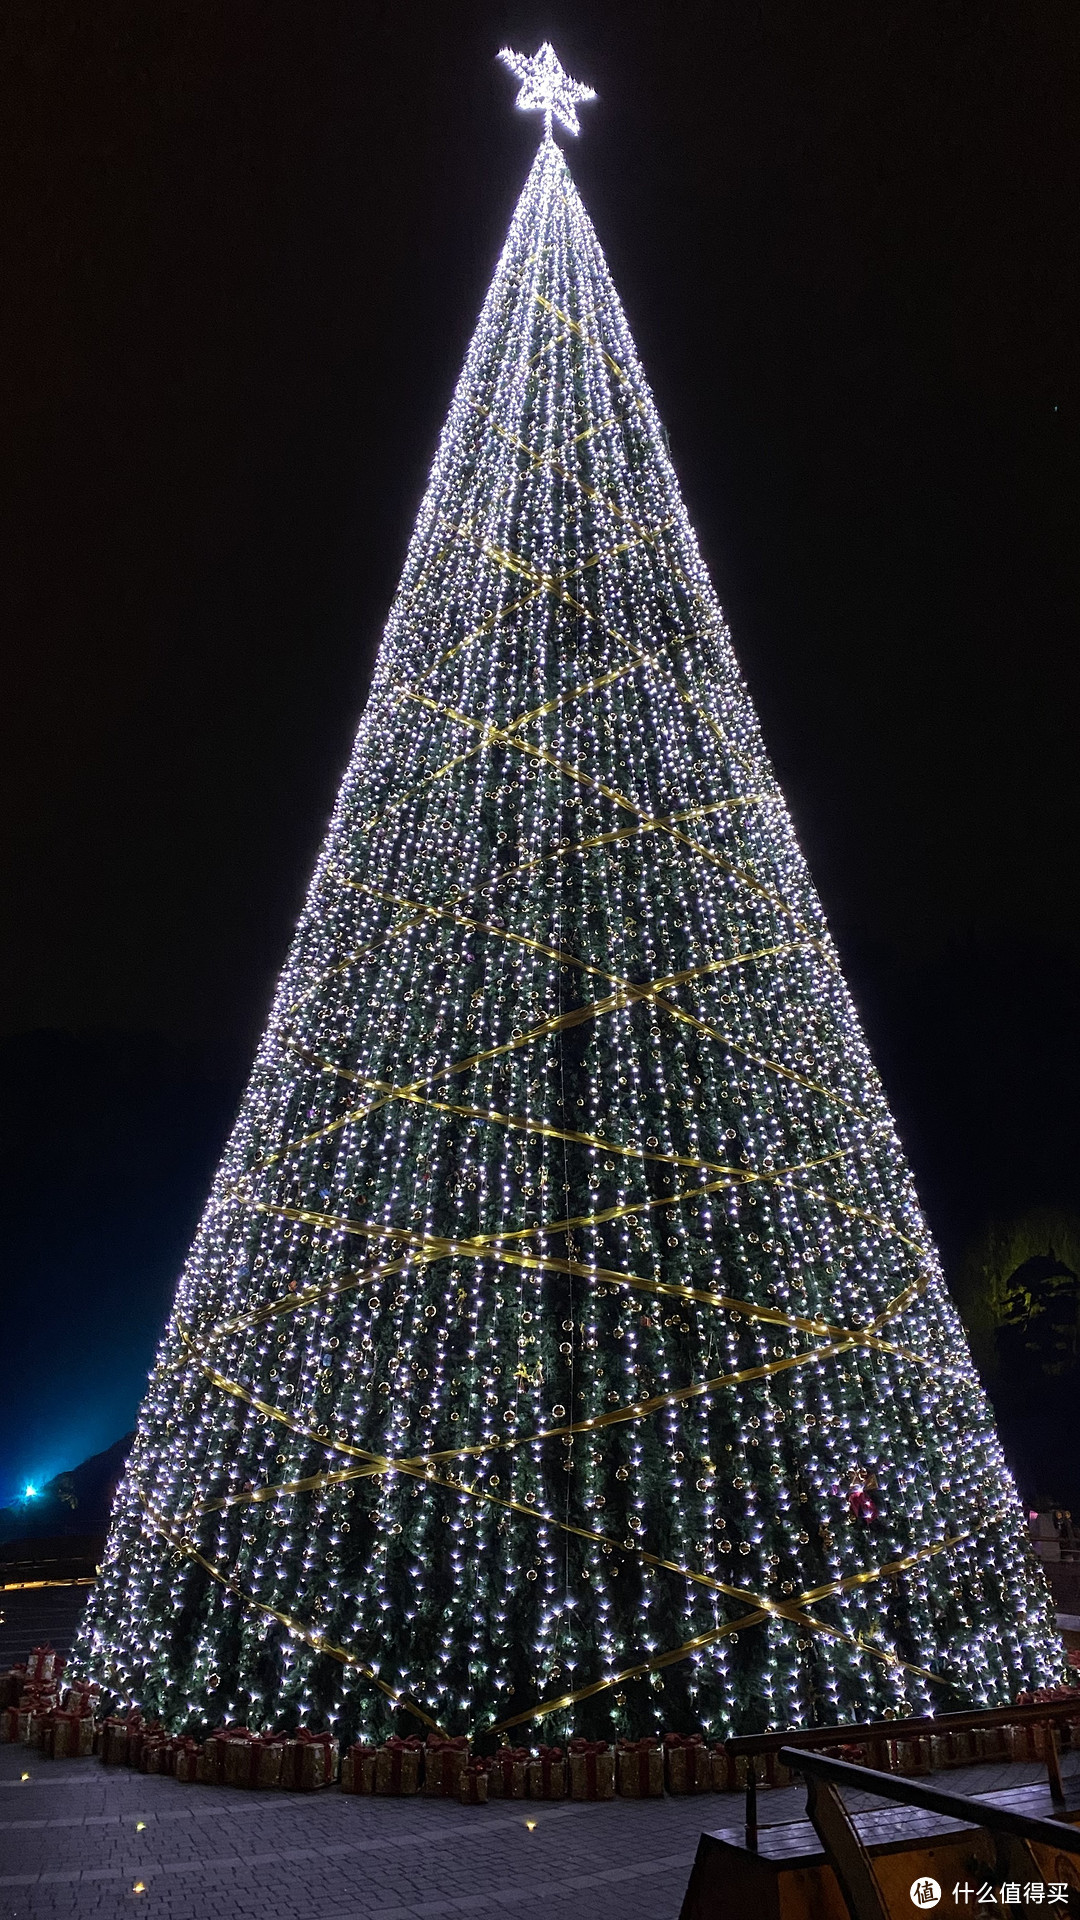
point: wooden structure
(840, 1865)
(874, 1736)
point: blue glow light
(30, 1492)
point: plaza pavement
(78, 1840)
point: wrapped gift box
(473, 1784)
(592, 1770)
(42, 1737)
(728, 1770)
(71, 1734)
(358, 1769)
(252, 1759)
(308, 1760)
(115, 1740)
(188, 1755)
(990, 1744)
(952, 1749)
(142, 1736)
(688, 1763)
(157, 1755)
(639, 1769)
(80, 1698)
(909, 1755)
(397, 1766)
(772, 1773)
(444, 1763)
(547, 1774)
(31, 1717)
(508, 1774)
(1026, 1742)
(44, 1664)
(9, 1724)
(210, 1766)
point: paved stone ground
(71, 1846)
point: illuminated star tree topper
(546, 88)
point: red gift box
(473, 1784)
(507, 1773)
(639, 1768)
(592, 1770)
(547, 1774)
(358, 1769)
(9, 1724)
(397, 1765)
(444, 1763)
(308, 1760)
(687, 1763)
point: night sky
(243, 249)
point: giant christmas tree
(562, 1347)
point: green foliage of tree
(1022, 1276)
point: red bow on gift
(588, 1746)
(411, 1745)
(683, 1740)
(549, 1753)
(647, 1744)
(517, 1754)
(443, 1742)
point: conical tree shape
(562, 1347)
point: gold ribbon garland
(554, 855)
(421, 1467)
(434, 1247)
(689, 1647)
(295, 1627)
(761, 1607)
(501, 736)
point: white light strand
(413, 1240)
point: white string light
(562, 1107)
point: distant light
(30, 1492)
